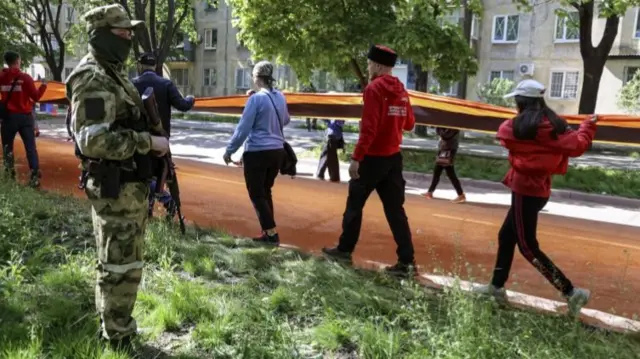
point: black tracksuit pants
(260, 171)
(384, 175)
(519, 228)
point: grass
(599, 180)
(213, 296)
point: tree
(493, 92)
(39, 23)
(593, 57)
(335, 35)
(11, 36)
(629, 95)
(167, 22)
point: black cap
(147, 59)
(382, 55)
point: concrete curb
(614, 201)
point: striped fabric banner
(431, 110)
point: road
(600, 256)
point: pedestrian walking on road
(447, 149)
(263, 119)
(540, 144)
(18, 96)
(376, 163)
(329, 155)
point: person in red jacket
(19, 95)
(540, 144)
(376, 163)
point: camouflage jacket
(106, 121)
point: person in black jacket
(447, 149)
(167, 96)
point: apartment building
(543, 46)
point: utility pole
(225, 91)
(467, 28)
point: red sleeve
(410, 122)
(576, 143)
(30, 88)
(368, 123)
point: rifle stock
(165, 173)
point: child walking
(540, 144)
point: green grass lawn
(208, 295)
(597, 180)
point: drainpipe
(466, 28)
(226, 49)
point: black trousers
(453, 178)
(329, 160)
(260, 171)
(519, 228)
(383, 174)
(23, 124)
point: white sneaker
(578, 298)
(500, 294)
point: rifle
(165, 173)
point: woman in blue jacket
(264, 116)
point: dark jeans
(329, 160)
(260, 172)
(24, 124)
(519, 228)
(383, 174)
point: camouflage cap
(109, 16)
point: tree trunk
(159, 66)
(593, 66)
(422, 85)
(466, 28)
(358, 72)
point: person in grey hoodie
(263, 119)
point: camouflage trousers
(119, 226)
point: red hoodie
(534, 161)
(386, 113)
(24, 94)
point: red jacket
(534, 161)
(24, 94)
(386, 113)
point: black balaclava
(108, 46)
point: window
(210, 39)
(567, 28)
(502, 74)
(210, 77)
(564, 84)
(243, 78)
(180, 77)
(68, 16)
(505, 28)
(435, 86)
(629, 72)
(636, 33)
(67, 72)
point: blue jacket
(166, 93)
(260, 124)
(334, 128)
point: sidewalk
(209, 146)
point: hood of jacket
(389, 86)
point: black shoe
(123, 345)
(34, 181)
(267, 239)
(171, 209)
(336, 254)
(402, 269)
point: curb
(614, 201)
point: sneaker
(578, 298)
(500, 294)
(267, 239)
(428, 195)
(336, 254)
(402, 269)
(34, 181)
(460, 199)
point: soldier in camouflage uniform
(112, 134)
